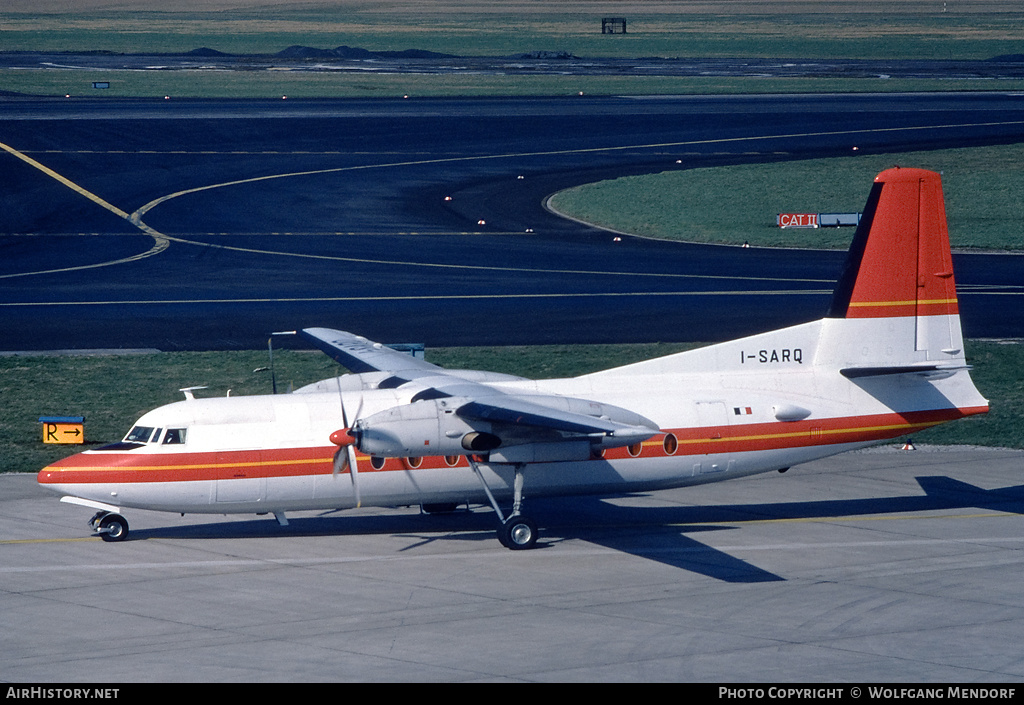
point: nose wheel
(111, 527)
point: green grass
(301, 84)
(479, 28)
(500, 29)
(111, 392)
(550, 361)
(983, 186)
(996, 373)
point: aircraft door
(238, 480)
(712, 416)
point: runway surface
(877, 566)
(208, 224)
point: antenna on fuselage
(190, 392)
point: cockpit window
(174, 436)
(140, 434)
(148, 434)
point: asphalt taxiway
(876, 566)
(208, 224)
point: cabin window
(670, 444)
(174, 436)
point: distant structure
(613, 25)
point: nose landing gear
(110, 526)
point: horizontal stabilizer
(928, 369)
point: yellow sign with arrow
(63, 429)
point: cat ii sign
(797, 220)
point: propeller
(345, 459)
(345, 456)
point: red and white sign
(797, 220)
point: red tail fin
(899, 263)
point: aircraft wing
(521, 411)
(474, 399)
(358, 354)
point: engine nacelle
(435, 427)
(429, 427)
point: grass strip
(360, 84)
(790, 31)
(983, 187)
(824, 30)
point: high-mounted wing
(522, 411)
(459, 412)
(359, 354)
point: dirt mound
(357, 53)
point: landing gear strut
(517, 532)
(110, 526)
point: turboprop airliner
(887, 360)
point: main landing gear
(516, 532)
(110, 526)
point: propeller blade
(359, 410)
(350, 457)
(341, 400)
(345, 457)
(341, 461)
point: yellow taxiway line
(160, 242)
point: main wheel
(114, 527)
(518, 533)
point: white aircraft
(887, 360)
